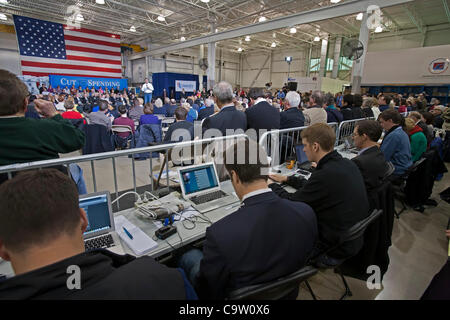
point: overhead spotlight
(378, 29)
(247, 38)
(182, 39)
(133, 29)
(161, 18)
(100, 1)
(288, 59)
(335, 1)
(317, 39)
(217, 30)
(240, 50)
(273, 45)
(262, 19)
(359, 16)
(274, 35)
(205, 1)
(79, 17)
(293, 30)
(3, 17)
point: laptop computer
(350, 145)
(303, 164)
(200, 186)
(100, 232)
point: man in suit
(206, 110)
(261, 115)
(42, 249)
(245, 247)
(181, 130)
(170, 108)
(292, 117)
(100, 117)
(370, 159)
(228, 118)
(335, 191)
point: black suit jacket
(227, 118)
(292, 118)
(205, 113)
(337, 194)
(189, 132)
(373, 167)
(170, 110)
(267, 238)
(262, 116)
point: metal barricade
(346, 129)
(200, 148)
(280, 144)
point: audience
(384, 102)
(137, 110)
(335, 191)
(123, 120)
(333, 114)
(292, 116)
(241, 250)
(395, 146)
(170, 108)
(71, 114)
(148, 117)
(261, 115)
(206, 110)
(181, 130)
(100, 117)
(42, 235)
(347, 105)
(417, 138)
(315, 112)
(418, 120)
(159, 108)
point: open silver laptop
(200, 186)
(100, 233)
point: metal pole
(151, 173)
(134, 174)
(115, 181)
(93, 175)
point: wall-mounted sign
(438, 66)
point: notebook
(141, 243)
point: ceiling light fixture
(182, 39)
(293, 30)
(133, 29)
(204, 1)
(273, 45)
(3, 17)
(316, 39)
(240, 50)
(100, 1)
(359, 16)
(161, 18)
(378, 29)
(79, 17)
(262, 19)
(274, 35)
(335, 1)
(247, 38)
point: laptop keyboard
(105, 241)
(208, 197)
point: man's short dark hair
(12, 94)
(181, 113)
(387, 99)
(391, 114)
(250, 168)
(190, 101)
(371, 128)
(255, 93)
(122, 109)
(148, 108)
(37, 207)
(103, 105)
(357, 101)
(349, 99)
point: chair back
(390, 170)
(121, 129)
(273, 290)
(357, 230)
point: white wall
(9, 53)
(407, 66)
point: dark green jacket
(26, 140)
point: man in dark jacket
(228, 118)
(43, 239)
(261, 115)
(335, 191)
(265, 239)
(181, 130)
(292, 116)
(370, 159)
(206, 110)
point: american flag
(52, 48)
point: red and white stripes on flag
(50, 48)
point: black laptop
(303, 164)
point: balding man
(206, 110)
(315, 113)
(228, 117)
(292, 117)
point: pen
(128, 233)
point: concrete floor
(418, 252)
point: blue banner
(83, 82)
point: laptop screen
(301, 155)
(199, 179)
(97, 211)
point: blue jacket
(144, 135)
(334, 115)
(192, 115)
(397, 149)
